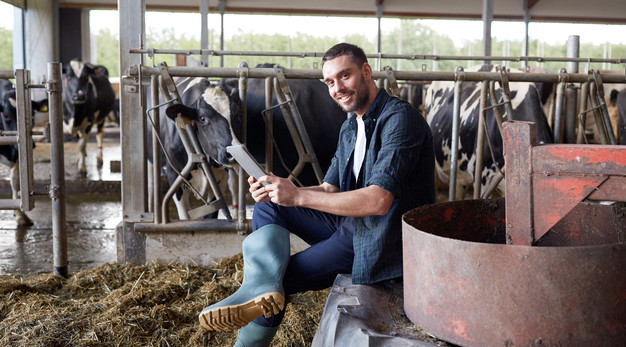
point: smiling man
(383, 167)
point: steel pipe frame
(57, 169)
(406, 75)
(456, 119)
(152, 51)
(470, 76)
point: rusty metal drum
(467, 286)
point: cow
(611, 92)
(527, 106)
(217, 111)
(321, 116)
(88, 98)
(9, 153)
(413, 93)
(620, 101)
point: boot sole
(233, 317)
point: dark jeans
(330, 252)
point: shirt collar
(375, 108)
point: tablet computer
(247, 161)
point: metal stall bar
(597, 114)
(25, 142)
(242, 84)
(603, 109)
(559, 119)
(57, 169)
(375, 56)
(581, 137)
(299, 133)
(571, 94)
(456, 119)
(480, 138)
(156, 157)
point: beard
(362, 95)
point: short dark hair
(355, 53)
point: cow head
(217, 118)
(79, 91)
(8, 117)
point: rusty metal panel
(518, 141)
(556, 196)
(475, 293)
(580, 159)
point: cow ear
(174, 110)
(41, 105)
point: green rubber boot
(265, 258)
(254, 335)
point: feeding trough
(546, 267)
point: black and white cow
(213, 112)
(9, 153)
(88, 98)
(527, 106)
(321, 117)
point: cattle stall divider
(400, 75)
(23, 139)
(243, 72)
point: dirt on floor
(124, 305)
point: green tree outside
(6, 47)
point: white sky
(458, 31)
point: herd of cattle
(88, 98)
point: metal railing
(23, 138)
(458, 76)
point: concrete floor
(93, 212)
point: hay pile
(124, 305)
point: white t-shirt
(359, 147)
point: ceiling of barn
(591, 11)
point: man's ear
(367, 70)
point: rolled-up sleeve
(395, 146)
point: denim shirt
(400, 159)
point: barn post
(222, 9)
(571, 94)
(526, 23)
(379, 16)
(57, 170)
(132, 134)
(204, 31)
(487, 19)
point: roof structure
(584, 11)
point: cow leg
(99, 141)
(181, 200)
(21, 217)
(82, 153)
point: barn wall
(70, 34)
(41, 36)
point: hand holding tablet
(247, 161)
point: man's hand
(279, 190)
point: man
(383, 167)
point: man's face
(346, 84)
